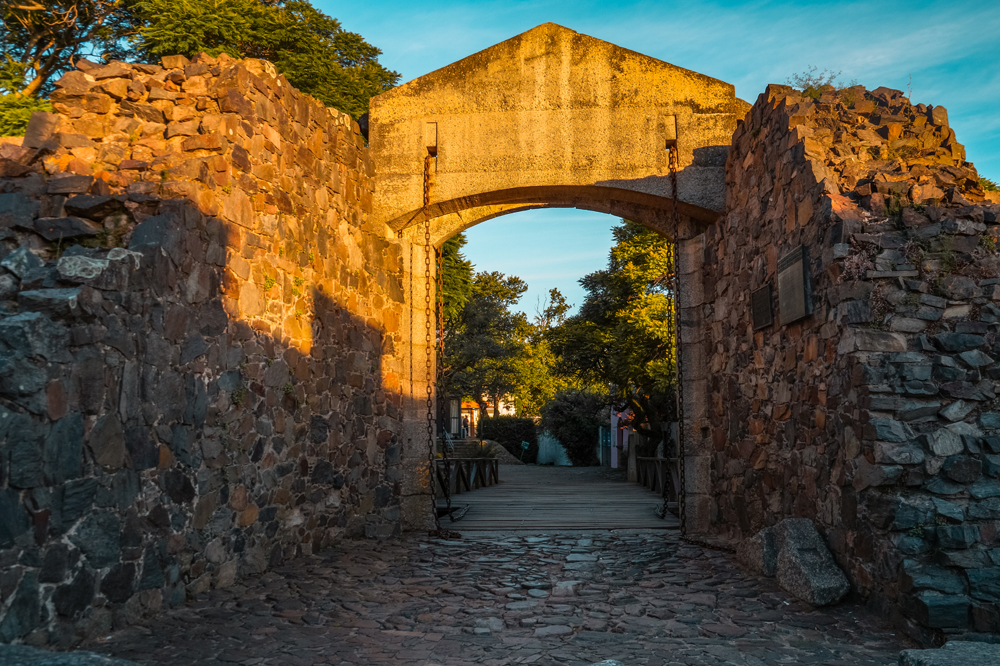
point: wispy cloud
(948, 52)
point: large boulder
(954, 653)
(796, 554)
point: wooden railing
(659, 475)
(466, 474)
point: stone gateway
(212, 319)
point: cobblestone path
(644, 598)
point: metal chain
(428, 346)
(681, 491)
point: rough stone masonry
(198, 343)
(207, 347)
(877, 416)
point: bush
(989, 185)
(573, 418)
(812, 81)
(15, 112)
(509, 432)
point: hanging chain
(428, 342)
(681, 491)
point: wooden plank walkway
(530, 498)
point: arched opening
(654, 213)
(453, 216)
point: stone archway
(554, 118)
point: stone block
(898, 453)
(942, 611)
(958, 342)
(889, 430)
(984, 583)
(879, 341)
(957, 536)
(929, 577)
(98, 537)
(943, 442)
(61, 228)
(957, 410)
(759, 553)
(805, 566)
(21, 261)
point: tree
(315, 53)
(623, 336)
(44, 38)
(311, 49)
(486, 343)
(573, 417)
(456, 277)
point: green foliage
(989, 185)
(269, 282)
(42, 39)
(623, 336)
(486, 343)
(573, 417)
(239, 395)
(15, 112)
(456, 277)
(310, 48)
(12, 75)
(509, 432)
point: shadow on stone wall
(212, 396)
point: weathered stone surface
(62, 228)
(98, 537)
(942, 611)
(20, 261)
(23, 655)
(118, 584)
(805, 567)
(759, 552)
(75, 597)
(14, 519)
(107, 441)
(58, 303)
(32, 334)
(40, 129)
(93, 206)
(954, 653)
(24, 612)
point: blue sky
(948, 52)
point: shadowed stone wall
(875, 416)
(202, 343)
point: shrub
(989, 185)
(812, 81)
(15, 112)
(509, 432)
(573, 417)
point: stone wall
(200, 335)
(873, 416)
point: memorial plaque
(760, 307)
(794, 291)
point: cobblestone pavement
(644, 598)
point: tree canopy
(41, 39)
(623, 336)
(492, 351)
